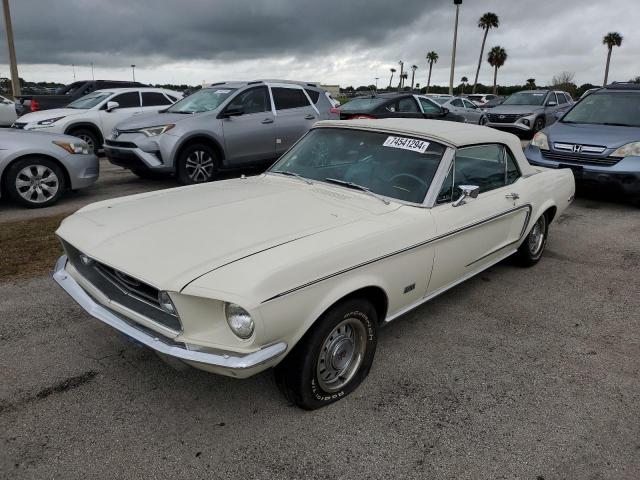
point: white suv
(93, 117)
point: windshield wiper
(292, 174)
(357, 187)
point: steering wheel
(411, 177)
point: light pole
(457, 3)
(376, 79)
(15, 78)
(92, 75)
(133, 72)
(73, 67)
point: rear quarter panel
(549, 188)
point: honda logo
(577, 148)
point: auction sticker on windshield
(412, 144)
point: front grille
(123, 289)
(18, 125)
(503, 117)
(115, 143)
(574, 158)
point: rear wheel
(87, 136)
(198, 163)
(533, 246)
(333, 357)
(35, 182)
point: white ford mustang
(298, 268)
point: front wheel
(333, 357)
(89, 137)
(483, 120)
(197, 163)
(35, 182)
(533, 246)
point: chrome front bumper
(225, 363)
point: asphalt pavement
(515, 374)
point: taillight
(360, 117)
(35, 106)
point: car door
(154, 101)
(250, 136)
(483, 229)
(7, 112)
(128, 106)
(294, 115)
(429, 108)
(472, 113)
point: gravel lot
(518, 373)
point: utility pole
(74, 71)
(401, 63)
(133, 72)
(92, 75)
(455, 39)
(376, 79)
(15, 78)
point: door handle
(513, 196)
(267, 120)
(310, 117)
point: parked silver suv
(529, 111)
(226, 125)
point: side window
(152, 99)
(513, 172)
(468, 104)
(561, 98)
(552, 98)
(456, 102)
(127, 100)
(254, 100)
(408, 105)
(428, 106)
(482, 165)
(286, 98)
(314, 95)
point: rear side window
(286, 98)
(428, 106)
(152, 99)
(561, 98)
(314, 95)
(127, 100)
(456, 102)
(407, 105)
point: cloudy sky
(346, 42)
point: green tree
(432, 57)
(531, 83)
(611, 39)
(496, 58)
(463, 83)
(487, 21)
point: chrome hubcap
(483, 121)
(341, 355)
(37, 183)
(199, 166)
(536, 237)
(88, 140)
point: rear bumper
(221, 362)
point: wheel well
(375, 295)
(201, 139)
(550, 213)
(67, 179)
(86, 126)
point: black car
(394, 105)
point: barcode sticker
(412, 144)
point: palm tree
(413, 74)
(401, 63)
(531, 83)
(611, 39)
(496, 58)
(404, 76)
(487, 21)
(464, 81)
(432, 57)
(393, 70)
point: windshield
(526, 98)
(394, 166)
(362, 104)
(204, 100)
(89, 101)
(607, 108)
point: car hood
(152, 119)
(606, 135)
(507, 109)
(53, 113)
(171, 237)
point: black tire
(483, 120)
(88, 136)
(531, 250)
(46, 182)
(538, 124)
(298, 375)
(197, 163)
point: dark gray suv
(226, 125)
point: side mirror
(551, 103)
(112, 106)
(232, 112)
(467, 191)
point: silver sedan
(463, 107)
(37, 168)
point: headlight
(49, 121)
(239, 320)
(157, 130)
(74, 147)
(540, 140)
(521, 115)
(628, 150)
(165, 302)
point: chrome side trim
(411, 247)
(227, 360)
